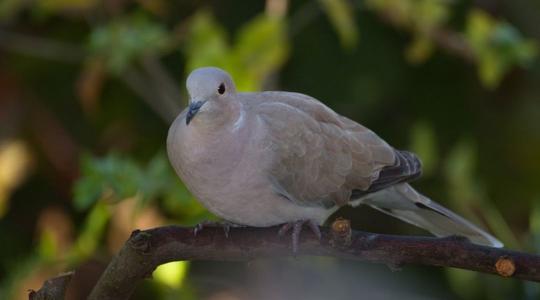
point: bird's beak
(193, 109)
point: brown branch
(41, 47)
(52, 289)
(145, 250)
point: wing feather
(319, 157)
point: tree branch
(145, 250)
(52, 289)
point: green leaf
(427, 15)
(206, 43)
(126, 39)
(497, 46)
(91, 235)
(260, 49)
(115, 178)
(171, 274)
(47, 247)
(341, 15)
(111, 177)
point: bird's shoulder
(296, 106)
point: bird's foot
(297, 228)
(226, 225)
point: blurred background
(88, 89)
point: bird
(283, 158)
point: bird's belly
(232, 187)
(247, 199)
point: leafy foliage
(259, 49)
(115, 178)
(413, 58)
(124, 40)
(498, 46)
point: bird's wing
(322, 158)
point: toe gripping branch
(297, 229)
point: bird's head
(209, 89)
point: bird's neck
(216, 119)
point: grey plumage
(262, 159)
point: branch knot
(140, 241)
(505, 266)
(341, 233)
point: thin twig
(140, 84)
(145, 250)
(163, 82)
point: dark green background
(95, 147)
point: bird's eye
(221, 89)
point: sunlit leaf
(341, 14)
(92, 232)
(479, 29)
(260, 49)
(15, 161)
(497, 46)
(427, 15)
(47, 247)
(206, 43)
(171, 274)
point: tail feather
(403, 202)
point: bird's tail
(403, 202)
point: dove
(283, 158)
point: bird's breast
(212, 163)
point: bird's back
(320, 157)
